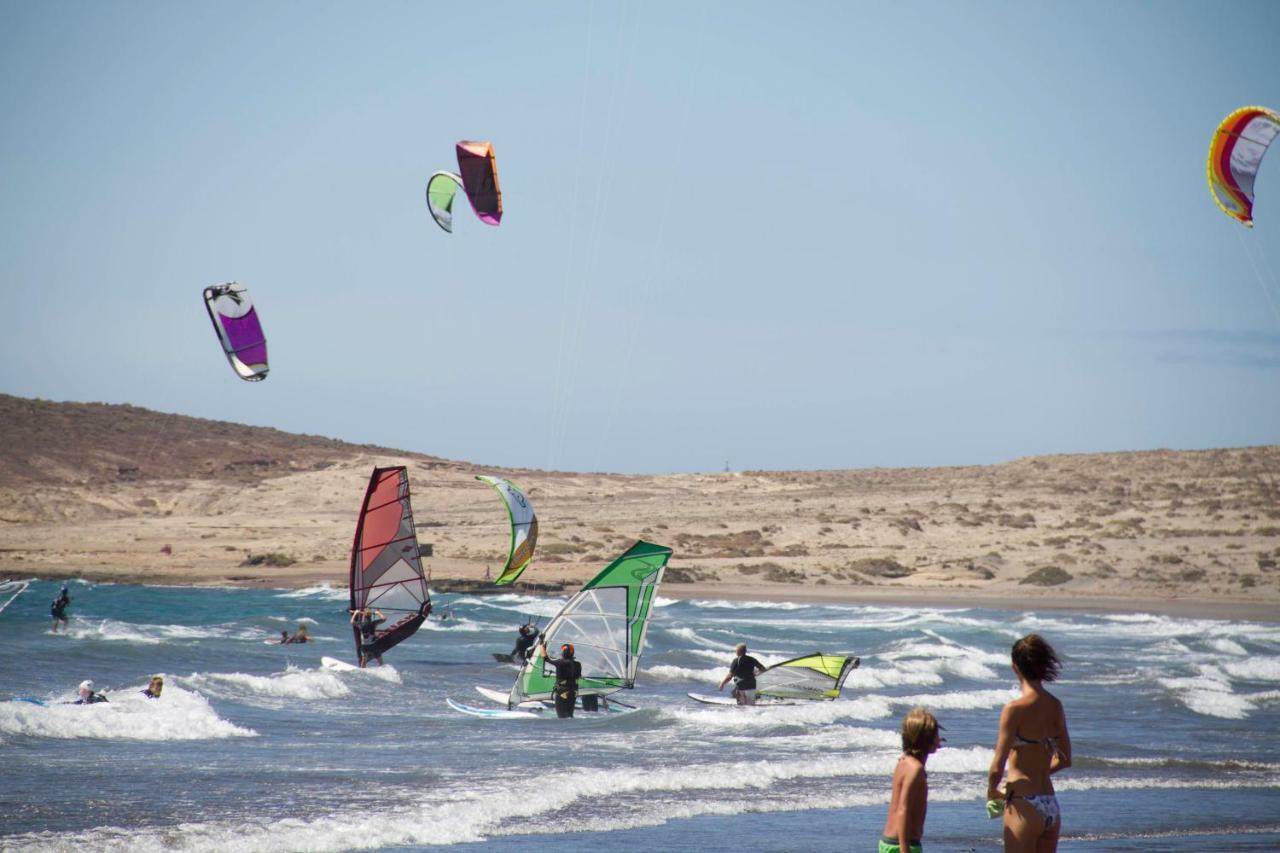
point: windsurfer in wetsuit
(743, 670)
(59, 608)
(525, 641)
(368, 627)
(568, 671)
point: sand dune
(98, 491)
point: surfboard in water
(386, 571)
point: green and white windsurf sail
(606, 623)
(815, 676)
(524, 528)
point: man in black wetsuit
(368, 627)
(59, 608)
(568, 671)
(743, 670)
(525, 642)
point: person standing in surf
(1032, 745)
(909, 796)
(59, 608)
(568, 671)
(368, 627)
(743, 669)
(525, 641)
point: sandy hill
(98, 490)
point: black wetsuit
(524, 644)
(59, 607)
(568, 671)
(368, 629)
(744, 669)
(91, 699)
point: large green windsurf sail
(815, 676)
(524, 528)
(606, 622)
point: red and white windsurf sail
(386, 570)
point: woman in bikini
(1032, 745)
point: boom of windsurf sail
(479, 170)
(524, 528)
(606, 622)
(386, 571)
(442, 188)
(814, 676)
(235, 319)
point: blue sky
(777, 235)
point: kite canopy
(441, 190)
(606, 623)
(815, 676)
(479, 172)
(236, 322)
(524, 528)
(386, 570)
(1235, 154)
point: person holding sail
(743, 669)
(364, 622)
(525, 641)
(568, 671)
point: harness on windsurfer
(368, 627)
(525, 641)
(743, 670)
(568, 671)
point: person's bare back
(909, 796)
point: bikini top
(1050, 743)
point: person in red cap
(568, 671)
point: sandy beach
(117, 493)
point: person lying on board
(87, 696)
(368, 627)
(155, 688)
(525, 641)
(743, 669)
(300, 636)
(285, 639)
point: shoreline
(922, 596)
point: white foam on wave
(176, 715)
(323, 591)
(1227, 647)
(1209, 693)
(666, 672)
(526, 605)
(112, 630)
(1255, 669)
(1147, 626)
(765, 717)
(470, 816)
(464, 625)
(722, 604)
(293, 683)
(960, 700)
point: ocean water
(255, 746)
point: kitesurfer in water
(525, 642)
(743, 669)
(368, 627)
(1031, 746)
(87, 696)
(59, 608)
(155, 688)
(568, 671)
(909, 796)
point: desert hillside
(100, 490)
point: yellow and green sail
(814, 676)
(524, 528)
(606, 622)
